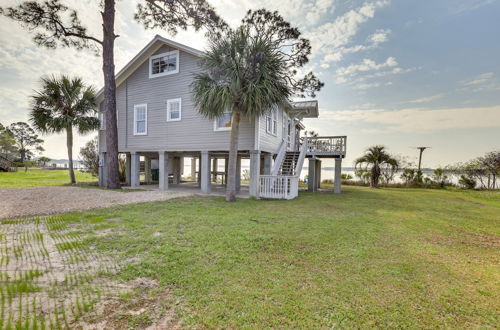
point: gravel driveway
(24, 202)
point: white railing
(302, 157)
(7, 164)
(327, 145)
(279, 159)
(278, 186)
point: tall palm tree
(62, 104)
(245, 75)
(374, 158)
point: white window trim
(270, 115)
(168, 109)
(145, 119)
(151, 75)
(221, 129)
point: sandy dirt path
(25, 202)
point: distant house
(158, 122)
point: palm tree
(61, 105)
(245, 75)
(374, 158)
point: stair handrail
(7, 163)
(302, 156)
(279, 159)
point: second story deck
(326, 146)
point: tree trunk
(108, 68)
(22, 155)
(233, 156)
(69, 145)
(375, 177)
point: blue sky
(399, 73)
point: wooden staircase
(289, 164)
(7, 165)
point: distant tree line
(20, 143)
(377, 167)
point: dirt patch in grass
(52, 278)
(144, 305)
(469, 239)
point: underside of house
(270, 175)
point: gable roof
(155, 44)
(301, 109)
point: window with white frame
(140, 119)
(223, 123)
(102, 121)
(164, 64)
(272, 122)
(173, 109)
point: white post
(338, 176)
(102, 170)
(268, 158)
(215, 169)
(205, 172)
(163, 170)
(318, 174)
(226, 170)
(311, 176)
(176, 170)
(254, 172)
(127, 169)
(134, 169)
(238, 174)
(147, 169)
(193, 169)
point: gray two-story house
(159, 123)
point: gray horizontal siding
(267, 141)
(192, 133)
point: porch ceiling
(304, 109)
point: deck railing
(278, 186)
(326, 145)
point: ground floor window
(140, 119)
(223, 123)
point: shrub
(467, 182)
(89, 155)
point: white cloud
(480, 79)
(373, 41)
(330, 37)
(426, 99)
(379, 36)
(480, 83)
(417, 120)
(362, 86)
(461, 6)
(366, 65)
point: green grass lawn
(365, 258)
(39, 177)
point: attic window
(164, 64)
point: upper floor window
(164, 64)
(173, 109)
(223, 123)
(272, 122)
(140, 119)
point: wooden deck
(326, 146)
